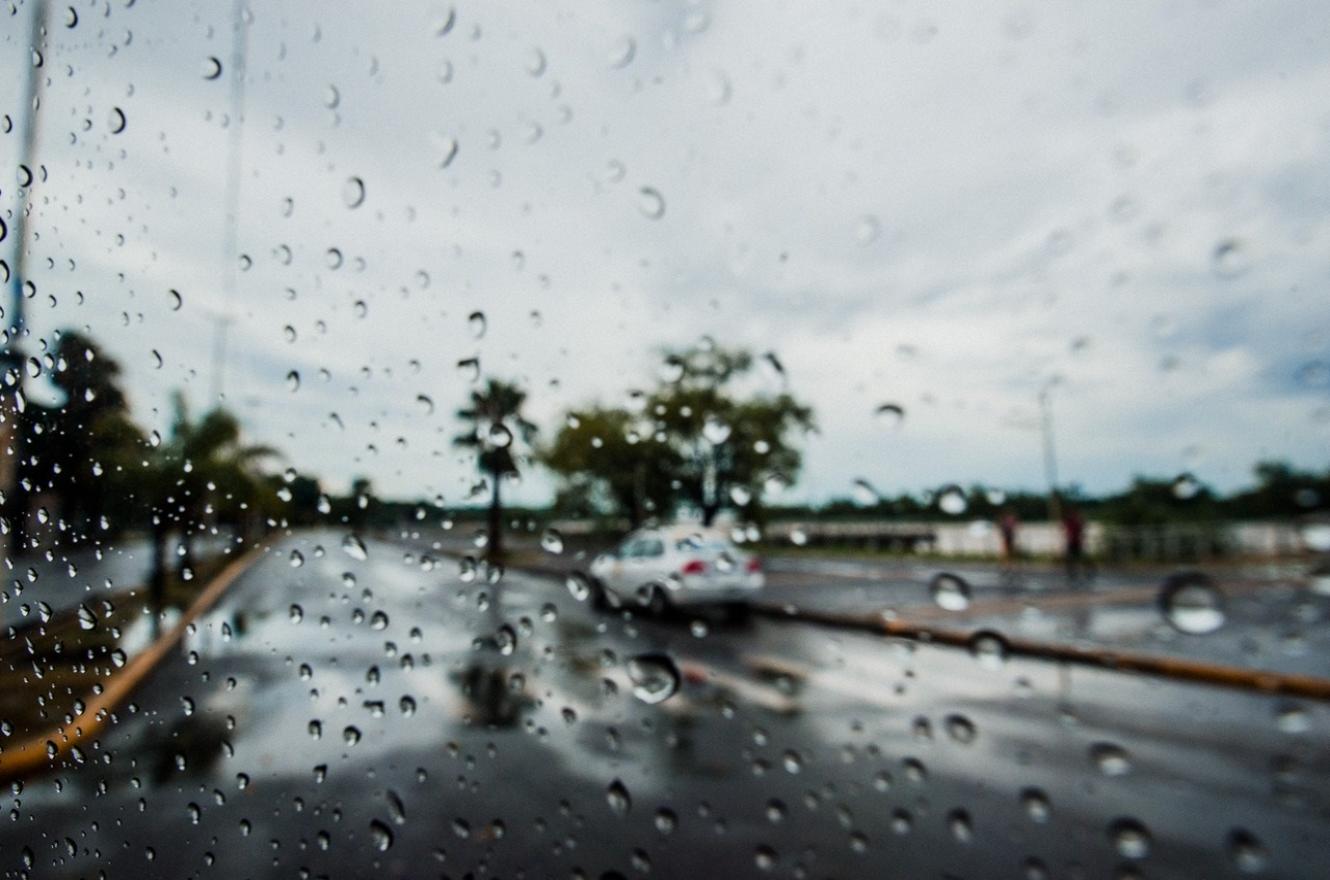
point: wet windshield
(664, 438)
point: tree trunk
(495, 542)
(187, 550)
(709, 512)
(157, 577)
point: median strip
(43, 750)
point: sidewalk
(63, 671)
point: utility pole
(12, 404)
(230, 248)
(1050, 452)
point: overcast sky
(939, 208)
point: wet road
(368, 717)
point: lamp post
(14, 505)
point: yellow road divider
(1201, 672)
(44, 750)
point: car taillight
(754, 565)
(695, 566)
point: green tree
(202, 473)
(704, 439)
(496, 424)
(80, 449)
(612, 459)
(731, 443)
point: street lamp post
(14, 505)
(1050, 450)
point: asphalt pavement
(347, 713)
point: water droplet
(1130, 838)
(396, 809)
(989, 648)
(890, 415)
(293, 381)
(1186, 487)
(960, 729)
(505, 639)
(87, 620)
(950, 592)
(864, 493)
(616, 795)
(499, 436)
(535, 62)
(381, 835)
(1112, 760)
(354, 547)
(116, 121)
(715, 431)
(651, 203)
(212, 67)
(1292, 719)
(962, 828)
(551, 541)
(655, 677)
(867, 230)
(579, 587)
(1191, 603)
(1229, 259)
(469, 368)
(297, 559)
(351, 735)
(378, 620)
(408, 705)
(1247, 852)
(353, 192)
(666, 821)
(447, 147)
(1036, 805)
(622, 51)
(952, 501)
(295, 613)
(475, 323)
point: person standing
(1073, 532)
(1008, 524)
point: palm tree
(495, 417)
(203, 471)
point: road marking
(44, 750)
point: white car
(677, 566)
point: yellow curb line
(35, 752)
(1215, 674)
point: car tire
(659, 605)
(600, 596)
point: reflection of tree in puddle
(494, 695)
(192, 746)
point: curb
(1214, 674)
(44, 750)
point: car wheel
(737, 612)
(660, 604)
(600, 595)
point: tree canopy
(702, 439)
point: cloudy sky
(942, 206)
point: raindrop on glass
(655, 677)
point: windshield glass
(664, 438)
